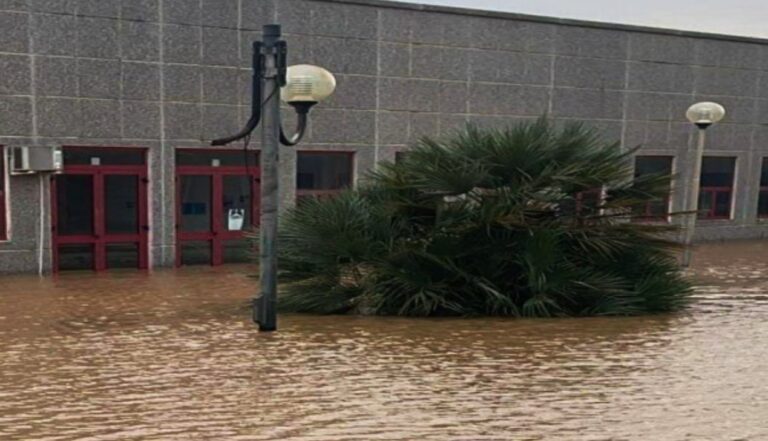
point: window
(762, 204)
(582, 204)
(657, 166)
(3, 222)
(589, 202)
(322, 173)
(716, 192)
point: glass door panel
(196, 252)
(196, 195)
(237, 251)
(76, 257)
(121, 203)
(74, 205)
(122, 255)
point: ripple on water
(172, 356)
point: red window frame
(763, 193)
(3, 196)
(713, 192)
(580, 196)
(327, 192)
(714, 189)
(647, 214)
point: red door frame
(99, 239)
(218, 234)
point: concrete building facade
(160, 78)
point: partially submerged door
(100, 218)
(217, 203)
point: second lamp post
(703, 115)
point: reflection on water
(173, 356)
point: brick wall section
(175, 73)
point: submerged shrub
(529, 221)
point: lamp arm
(301, 128)
(302, 110)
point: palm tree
(528, 221)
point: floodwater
(172, 355)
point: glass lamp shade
(307, 84)
(705, 113)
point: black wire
(274, 91)
(246, 156)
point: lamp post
(702, 115)
(302, 87)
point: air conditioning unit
(29, 160)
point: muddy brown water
(172, 355)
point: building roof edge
(550, 20)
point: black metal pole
(265, 313)
(269, 74)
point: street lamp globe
(307, 85)
(705, 114)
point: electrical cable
(249, 187)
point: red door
(216, 206)
(100, 217)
